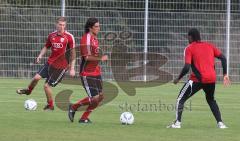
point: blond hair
(61, 19)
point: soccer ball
(30, 104)
(127, 118)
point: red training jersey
(89, 46)
(201, 56)
(59, 44)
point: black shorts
(208, 88)
(190, 88)
(53, 76)
(92, 85)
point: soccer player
(200, 56)
(90, 72)
(61, 44)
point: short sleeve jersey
(89, 46)
(59, 45)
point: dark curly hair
(90, 23)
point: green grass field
(150, 124)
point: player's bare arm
(72, 62)
(41, 54)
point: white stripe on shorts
(39, 72)
(59, 77)
(86, 86)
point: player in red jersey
(61, 44)
(90, 71)
(200, 56)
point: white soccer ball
(127, 118)
(30, 104)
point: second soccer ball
(127, 118)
